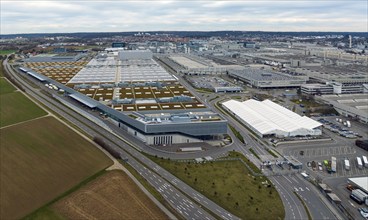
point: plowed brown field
(111, 196)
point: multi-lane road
(165, 183)
(179, 195)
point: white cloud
(96, 16)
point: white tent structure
(361, 182)
(267, 118)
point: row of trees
(107, 147)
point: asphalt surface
(168, 185)
(162, 180)
(293, 207)
(306, 191)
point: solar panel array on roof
(110, 70)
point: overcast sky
(60, 16)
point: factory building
(264, 79)
(268, 119)
(194, 65)
(332, 88)
(135, 55)
(228, 89)
(60, 57)
(178, 117)
(349, 105)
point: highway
(293, 207)
(161, 179)
(164, 182)
(307, 192)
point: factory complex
(136, 93)
(268, 119)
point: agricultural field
(110, 196)
(38, 163)
(6, 52)
(5, 87)
(15, 107)
(231, 185)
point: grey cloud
(75, 16)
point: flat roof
(358, 101)
(84, 100)
(104, 70)
(189, 63)
(37, 76)
(362, 182)
(261, 75)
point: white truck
(359, 196)
(333, 164)
(359, 162)
(348, 124)
(365, 161)
(347, 164)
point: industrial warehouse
(268, 119)
(137, 94)
(195, 65)
(266, 79)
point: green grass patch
(204, 90)
(5, 87)
(272, 153)
(1, 68)
(214, 98)
(236, 97)
(45, 213)
(237, 134)
(234, 154)
(15, 107)
(6, 52)
(254, 153)
(133, 116)
(307, 103)
(231, 185)
(41, 160)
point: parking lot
(209, 82)
(344, 127)
(308, 153)
(323, 152)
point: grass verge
(150, 189)
(237, 134)
(230, 184)
(304, 205)
(254, 153)
(271, 152)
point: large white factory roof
(189, 63)
(110, 70)
(362, 182)
(268, 118)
